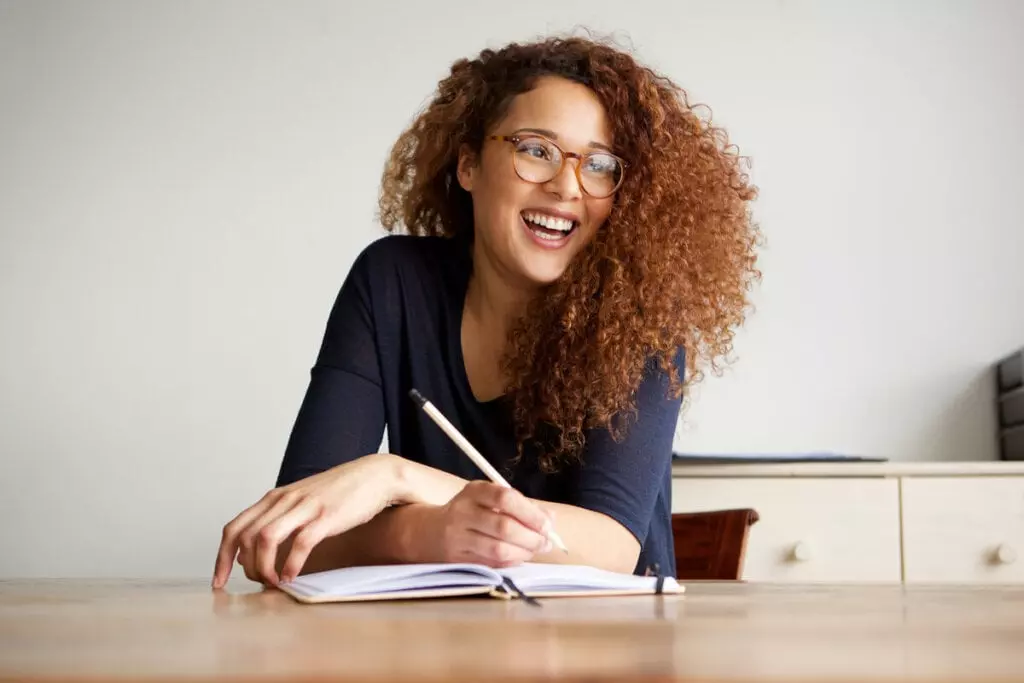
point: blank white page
(555, 577)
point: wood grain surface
(166, 631)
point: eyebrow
(554, 136)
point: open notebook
(409, 581)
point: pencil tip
(418, 397)
(558, 542)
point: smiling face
(528, 232)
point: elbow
(619, 550)
(596, 539)
(625, 561)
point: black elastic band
(659, 584)
(530, 601)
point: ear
(467, 167)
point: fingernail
(547, 546)
(546, 527)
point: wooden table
(143, 631)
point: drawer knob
(801, 552)
(1005, 554)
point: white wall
(183, 186)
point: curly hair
(669, 270)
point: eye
(604, 164)
(536, 149)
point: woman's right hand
(309, 510)
(487, 524)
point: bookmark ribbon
(659, 584)
(515, 589)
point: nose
(566, 184)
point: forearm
(388, 538)
(592, 538)
(394, 537)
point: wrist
(411, 482)
(398, 473)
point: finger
(248, 539)
(270, 537)
(303, 544)
(250, 572)
(225, 560)
(496, 553)
(230, 538)
(226, 553)
(511, 502)
(508, 529)
(338, 520)
(245, 561)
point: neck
(494, 300)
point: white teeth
(550, 222)
(545, 236)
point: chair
(710, 545)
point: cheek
(597, 215)
(500, 196)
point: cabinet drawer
(810, 529)
(963, 529)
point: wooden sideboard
(916, 523)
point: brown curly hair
(669, 270)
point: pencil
(474, 455)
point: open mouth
(547, 227)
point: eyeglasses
(538, 160)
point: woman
(580, 242)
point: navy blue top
(396, 325)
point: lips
(548, 237)
(549, 229)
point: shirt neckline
(458, 304)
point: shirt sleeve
(623, 479)
(341, 417)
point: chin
(543, 265)
(543, 274)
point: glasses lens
(537, 160)
(601, 174)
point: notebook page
(393, 578)
(560, 577)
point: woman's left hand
(484, 523)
